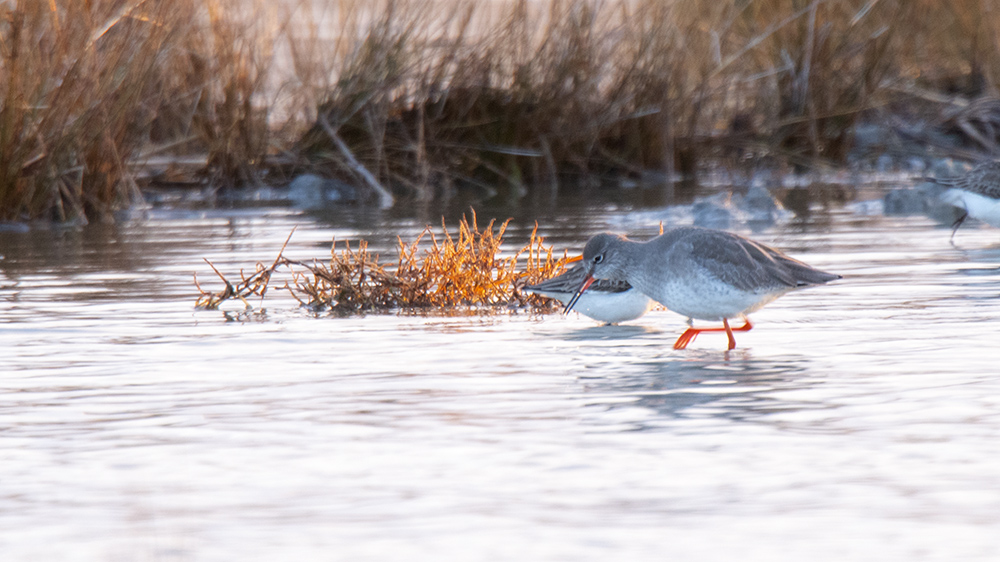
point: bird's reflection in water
(702, 384)
(610, 332)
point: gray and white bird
(697, 272)
(607, 301)
(976, 193)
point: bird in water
(700, 273)
(976, 193)
(606, 301)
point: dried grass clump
(214, 98)
(825, 62)
(89, 89)
(524, 95)
(509, 97)
(76, 84)
(465, 270)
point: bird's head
(602, 259)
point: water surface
(857, 421)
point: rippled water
(858, 421)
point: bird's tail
(805, 275)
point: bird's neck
(635, 268)
(630, 256)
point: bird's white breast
(706, 298)
(613, 307)
(986, 209)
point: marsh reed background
(422, 98)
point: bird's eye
(598, 258)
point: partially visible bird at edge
(976, 193)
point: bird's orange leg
(729, 334)
(687, 337)
(691, 333)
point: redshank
(976, 192)
(700, 273)
(606, 300)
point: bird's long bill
(583, 287)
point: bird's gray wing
(983, 180)
(748, 265)
(986, 181)
(569, 282)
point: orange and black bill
(583, 287)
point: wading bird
(700, 273)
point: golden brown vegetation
(422, 96)
(461, 270)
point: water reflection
(729, 385)
(615, 332)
